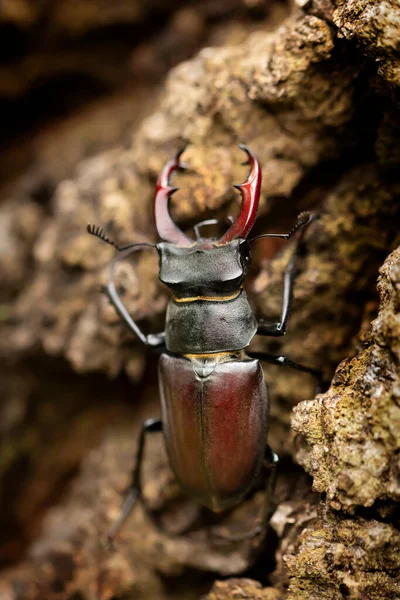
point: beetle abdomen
(214, 413)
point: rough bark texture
(315, 95)
(337, 557)
(242, 588)
(353, 468)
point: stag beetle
(214, 404)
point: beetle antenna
(98, 232)
(304, 218)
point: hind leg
(134, 492)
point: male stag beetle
(214, 404)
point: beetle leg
(284, 361)
(196, 227)
(135, 490)
(201, 224)
(271, 462)
(271, 465)
(112, 294)
(278, 329)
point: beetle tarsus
(127, 507)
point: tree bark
(316, 98)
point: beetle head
(204, 269)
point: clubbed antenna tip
(302, 219)
(98, 232)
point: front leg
(154, 340)
(277, 329)
(110, 290)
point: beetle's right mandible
(166, 228)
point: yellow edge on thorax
(208, 298)
(216, 355)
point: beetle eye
(246, 260)
(245, 254)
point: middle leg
(284, 361)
